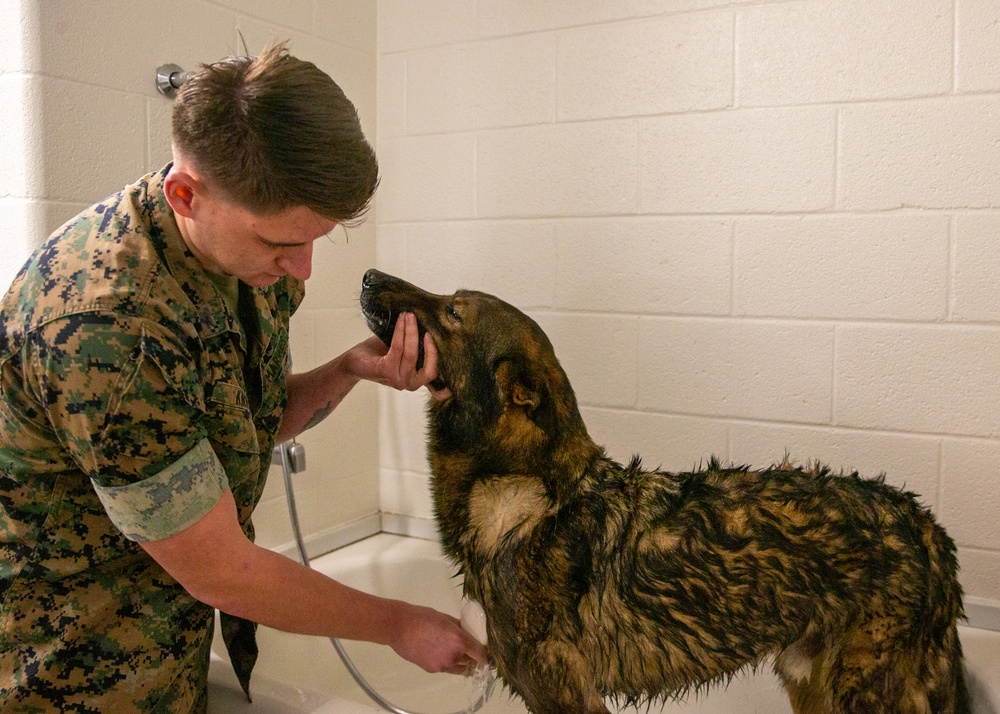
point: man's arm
(215, 562)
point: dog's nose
(370, 278)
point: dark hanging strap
(240, 637)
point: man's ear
(182, 191)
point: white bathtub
(303, 674)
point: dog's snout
(370, 278)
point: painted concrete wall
(749, 227)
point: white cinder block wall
(80, 118)
(749, 227)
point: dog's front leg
(555, 678)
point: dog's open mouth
(381, 322)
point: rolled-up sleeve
(169, 502)
(124, 399)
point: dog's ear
(524, 397)
(519, 387)
(514, 384)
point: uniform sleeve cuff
(169, 502)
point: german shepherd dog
(602, 580)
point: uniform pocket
(230, 425)
(229, 397)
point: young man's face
(258, 250)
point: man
(143, 354)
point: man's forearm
(213, 560)
(217, 565)
(313, 395)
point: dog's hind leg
(945, 675)
(881, 670)
(876, 670)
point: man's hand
(435, 641)
(313, 395)
(396, 365)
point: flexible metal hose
(281, 450)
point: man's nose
(297, 261)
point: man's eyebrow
(275, 244)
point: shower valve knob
(297, 457)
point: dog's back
(849, 581)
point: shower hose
(283, 455)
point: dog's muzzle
(377, 290)
(380, 318)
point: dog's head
(510, 399)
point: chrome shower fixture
(169, 78)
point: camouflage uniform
(132, 393)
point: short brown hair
(273, 132)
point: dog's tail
(949, 692)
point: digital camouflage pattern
(125, 375)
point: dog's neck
(463, 481)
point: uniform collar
(213, 310)
(213, 314)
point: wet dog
(602, 580)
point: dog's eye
(452, 313)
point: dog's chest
(501, 507)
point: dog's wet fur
(607, 580)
